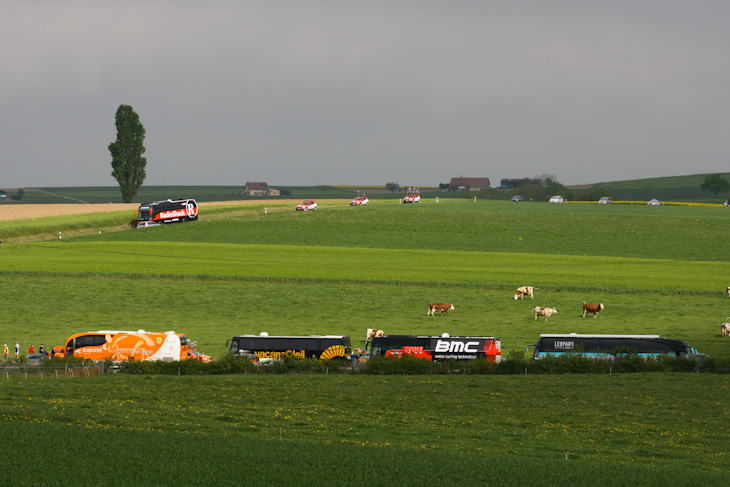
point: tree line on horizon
(129, 169)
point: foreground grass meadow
(340, 270)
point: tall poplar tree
(127, 162)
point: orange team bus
(121, 346)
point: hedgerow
(513, 365)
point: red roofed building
(259, 189)
(470, 184)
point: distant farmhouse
(259, 189)
(470, 184)
(517, 183)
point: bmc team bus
(121, 346)
(605, 346)
(444, 347)
(167, 211)
(265, 348)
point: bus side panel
(170, 350)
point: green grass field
(344, 269)
(618, 430)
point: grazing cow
(727, 291)
(725, 329)
(372, 333)
(525, 290)
(546, 312)
(592, 308)
(443, 307)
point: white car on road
(307, 205)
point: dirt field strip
(19, 212)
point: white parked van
(557, 199)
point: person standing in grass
(17, 350)
(30, 350)
(6, 352)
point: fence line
(27, 371)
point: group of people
(6, 351)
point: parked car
(605, 201)
(38, 357)
(307, 205)
(517, 198)
(58, 351)
(192, 354)
(360, 200)
(557, 199)
(653, 202)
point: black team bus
(605, 346)
(437, 348)
(264, 348)
(166, 211)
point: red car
(307, 205)
(412, 198)
(360, 200)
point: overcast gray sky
(365, 92)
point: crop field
(340, 270)
(674, 188)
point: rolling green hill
(673, 188)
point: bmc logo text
(456, 347)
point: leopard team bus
(438, 348)
(166, 211)
(121, 346)
(264, 348)
(606, 346)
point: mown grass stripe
(487, 285)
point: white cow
(546, 312)
(525, 290)
(725, 329)
(372, 333)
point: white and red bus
(166, 211)
(438, 348)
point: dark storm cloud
(336, 92)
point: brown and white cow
(725, 329)
(372, 333)
(546, 312)
(592, 308)
(443, 307)
(525, 291)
